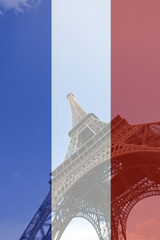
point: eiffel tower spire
(78, 114)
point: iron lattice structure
(80, 186)
(135, 169)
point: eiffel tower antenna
(78, 114)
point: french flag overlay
(135, 202)
(25, 112)
(80, 121)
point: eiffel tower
(80, 186)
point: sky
(25, 112)
(79, 229)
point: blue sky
(25, 114)
(80, 64)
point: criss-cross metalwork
(108, 168)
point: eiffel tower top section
(84, 127)
(78, 114)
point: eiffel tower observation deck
(81, 185)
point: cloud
(134, 236)
(16, 175)
(146, 223)
(17, 6)
(1, 13)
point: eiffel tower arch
(80, 186)
(135, 169)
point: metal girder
(40, 225)
(99, 155)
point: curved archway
(79, 228)
(138, 180)
(143, 221)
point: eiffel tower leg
(40, 223)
